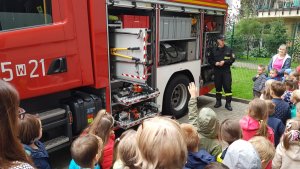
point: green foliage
(296, 51)
(259, 52)
(248, 32)
(275, 34)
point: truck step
(56, 142)
(52, 115)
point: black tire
(176, 97)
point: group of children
(272, 121)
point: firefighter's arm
(211, 58)
(229, 57)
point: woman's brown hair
(11, 149)
(29, 129)
(258, 111)
(292, 124)
(102, 125)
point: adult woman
(280, 61)
(12, 154)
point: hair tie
(260, 121)
(118, 139)
(294, 135)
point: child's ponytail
(263, 128)
(286, 141)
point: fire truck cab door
(38, 49)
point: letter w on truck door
(40, 52)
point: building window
(16, 14)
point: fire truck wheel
(176, 97)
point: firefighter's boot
(228, 103)
(218, 100)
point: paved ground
(239, 109)
(61, 159)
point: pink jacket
(108, 153)
(250, 126)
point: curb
(233, 98)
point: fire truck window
(24, 13)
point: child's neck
(33, 146)
(276, 97)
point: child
(206, 123)
(266, 95)
(259, 81)
(161, 144)
(282, 108)
(275, 123)
(287, 154)
(286, 74)
(255, 123)
(264, 148)
(216, 165)
(298, 111)
(289, 86)
(30, 132)
(295, 99)
(230, 131)
(242, 155)
(126, 150)
(102, 126)
(274, 75)
(197, 159)
(86, 151)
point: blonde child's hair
(161, 144)
(295, 98)
(230, 131)
(270, 107)
(262, 67)
(267, 90)
(126, 149)
(85, 149)
(102, 125)
(190, 136)
(264, 147)
(298, 110)
(291, 124)
(258, 111)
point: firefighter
(222, 58)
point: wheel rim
(179, 97)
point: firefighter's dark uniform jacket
(220, 54)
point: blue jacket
(73, 165)
(282, 110)
(39, 156)
(198, 160)
(286, 64)
(278, 127)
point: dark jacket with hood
(198, 160)
(207, 126)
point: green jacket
(207, 126)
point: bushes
(259, 52)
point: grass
(242, 82)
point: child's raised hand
(193, 90)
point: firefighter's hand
(193, 90)
(222, 63)
(217, 64)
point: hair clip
(288, 125)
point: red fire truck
(70, 58)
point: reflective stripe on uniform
(228, 94)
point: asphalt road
(61, 159)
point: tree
(275, 34)
(248, 31)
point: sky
(234, 5)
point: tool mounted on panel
(113, 51)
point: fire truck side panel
(98, 33)
(28, 53)
(164, 74)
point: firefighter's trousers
(223, 80)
